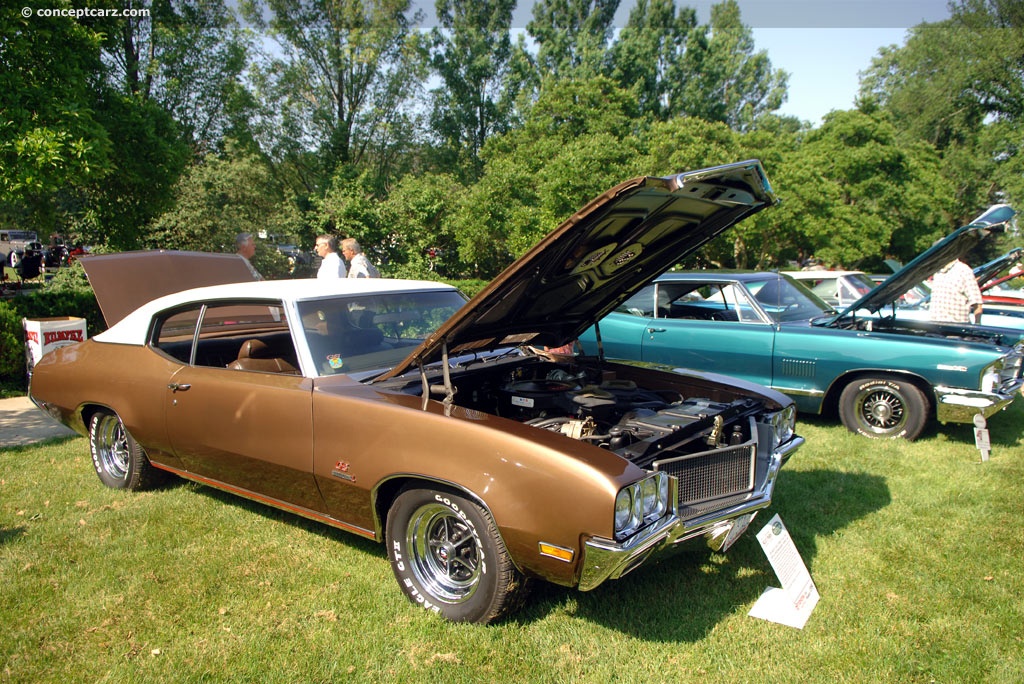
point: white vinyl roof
(134, 327)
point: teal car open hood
(954, 246)
(598, 258)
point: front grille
(712, 474)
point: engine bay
(631, 411)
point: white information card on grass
(792, 604)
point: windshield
(372, 332)
(785, 300)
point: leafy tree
(648, 54)
(51, 141)
(220, 196)
(723, 78)
(471, 54)
(338, 83)
(572, 35)
(187, 56)
(418, 213)
(958, 84)
(854, 194)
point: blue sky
(823, 64)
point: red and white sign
(43, 335)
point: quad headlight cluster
(641, 503)
(783, 425)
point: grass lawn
(916, 550)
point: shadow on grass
(320, 529)
(9, 534)
(683, 595)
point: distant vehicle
(884, 375)
(13, 244)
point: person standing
(956, 296)
(331, 264)
(358, 265)
(245, 247)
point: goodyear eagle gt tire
(118, 459)
(448, 557)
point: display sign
(43, 335)
(792, 604)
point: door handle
(175, 387)
(654, 330)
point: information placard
(792, 604)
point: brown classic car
(398, 411)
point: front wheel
(884, 408)
(448, 557)
(118, 459)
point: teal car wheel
(884, 408)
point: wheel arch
(830, 403)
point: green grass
(916, 550)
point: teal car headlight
(641, 503)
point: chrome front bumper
(605, 559)
(955, 405)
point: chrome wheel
(449, 558)
(884, 407)
(446, 556)
(882, 410)
(117, 458)
(110, 448)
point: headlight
(641, 503)
(990, 379)
(783, 425)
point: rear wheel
(118, 459)
(885, 408)
(448, 557)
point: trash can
(43, 335)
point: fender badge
(340, 470)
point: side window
(173, 335)
(236, 335)
(641, 304)
(246, 336)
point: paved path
(21, 423)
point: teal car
(883, 381)
(886, 376)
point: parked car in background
(13, 244)
(994, 278)
(885, 377)
(397, 411)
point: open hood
(598, 258)
(987, 272)
(124, 281)
(954, 246)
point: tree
(221, 195)
(958, 84)
(648, 54)
(723, 79)
(189, 57)
(471, 54)
(338, 82)
(572, 35)
(855, 194)
(51, 141)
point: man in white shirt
(358, 265)
(331, 264)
